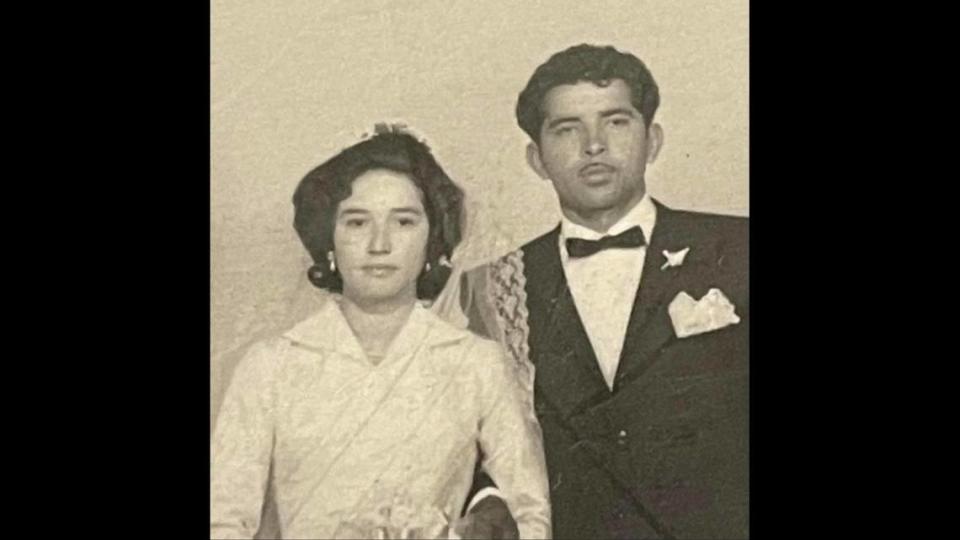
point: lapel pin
(674, 258)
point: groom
(628, 322)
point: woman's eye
(355, 223)
(407, 222)
(620, 121)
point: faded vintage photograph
(479, 269)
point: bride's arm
(512, 446)
(241, 448)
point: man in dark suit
(628, 322)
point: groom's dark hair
(599, 65)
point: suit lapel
(650, 327)
(567, 374)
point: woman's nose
(379, 241)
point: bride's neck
(376, 326)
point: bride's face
(380, 238)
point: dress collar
(328, 329)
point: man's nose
(595, 143)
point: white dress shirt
(605, 284)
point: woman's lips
(379, 270)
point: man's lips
(596, 173)
(596, 168)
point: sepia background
(295, 81)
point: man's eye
(355, 223)
(407, 222)
(620, 121)
(564, 130)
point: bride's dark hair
(392, 148)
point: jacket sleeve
(241, 447)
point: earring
(444, 261)
(427, 267)
(333, 263)
(315, 275)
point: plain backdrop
(295, 81)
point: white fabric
(489, 491)
(604, 284)
(344, 436)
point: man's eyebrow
(613, 112)
(353, 211)
(604, 114)
(557, 121)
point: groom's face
(594, 146)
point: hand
(488, 519)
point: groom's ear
(654, 142)
(533, 159)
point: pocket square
(712, 312)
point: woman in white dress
(368, 417)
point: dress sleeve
(242, 445)
(512, 444)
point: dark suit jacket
(663, 455)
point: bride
(368, 417)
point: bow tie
(630, 238)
